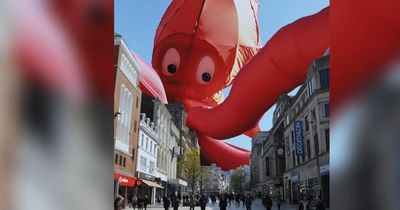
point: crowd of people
(225, 200)
(139, 202)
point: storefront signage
(324, 168)
(295, 176)
(139, 182)
(299, 137)
(125, 180)
(145, 176)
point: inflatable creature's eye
(171, 62)
(205, 70)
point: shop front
(149, 187)
(124, 185)
(324, 171)
(178, 187)
(295, 179)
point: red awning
(124, 180)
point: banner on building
(299, 137)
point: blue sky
(137, 20)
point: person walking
(249, 202)
(191, 202)
(134, 202)
(203, 202)
(140, 203)
(166, 203)
(243, 198)
(223, 203)
(301, 205)
(269, 203)
(320, 205)
(278, 203)
(264, 201)
(145, 202)
(237, 199)
(175, 202)
(118, 202)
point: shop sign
(299, 137)
(125, 180)
(324, 169)
(145, 176)
(295, 176)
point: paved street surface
(256, 206)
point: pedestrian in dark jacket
(301, 206)
(134, 202)
(145, 202)
(166, 203)
(278, 203)
(223, 202)
(249, 202)
(320, 205)
(175, 202)
(264, 201)
(118, 202)
(203, 202)
(243, 198)
(269, 203)
(140, 203)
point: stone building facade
(273, 158)
(308, 172)
(255, 161)
(127, 102)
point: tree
(204, 176)
(191, 168)
(237, 179)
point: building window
(151, 168)
(294, 159)
(143, 163)
(147, 143)
(310, 87)
(316, 144)
(267, 166)
(124, 119)
(292, 137)
(298, 160)
(124, 162)
(116, 159)
(133, 153)
(120, 160)
(313, 114)
(151, 146)
(327, 139)
(308, 148)
(307, 123)
(142, 141)
(135, 129)
(324, 78)
(326, 109)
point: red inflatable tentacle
(278, 68)
(223, 154)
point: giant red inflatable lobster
(203, 46)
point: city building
(306, 135)
(214, 182)
(187, 142)
(147, 157)
(273, 158)
(255, 164)
(127, 101)
(167, 146)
